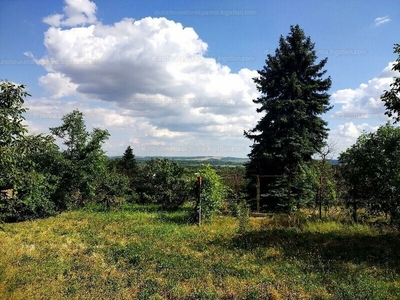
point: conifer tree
(129, 167)
(293, 98)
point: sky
(175, 78)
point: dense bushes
(45, 180)
(371, 169)
(164, 182)
(213, 192)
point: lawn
(142, 253)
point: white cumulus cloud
(76, 12)
(154, 70)
(364, 102)
(346, 134)
(58, 84)
(151, 84)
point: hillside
(195, 160)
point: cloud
(360, 108)
(346, 134)
(154, 70)
(58, 85)
(77, 12)
(381, 20)
(364, 102)
(350, 130)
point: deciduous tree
(164, 182)
(213, 192)
(391, 98)
(28, 163)
(371, 169)
(84, 158)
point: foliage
(213, 192)
(371, 170)
(327, 186)
(112, 188)
(293, 96)
(391, 98)
(12, 131)
(128, 166)
(164, 182)
(305, 186)
(83, 159)
(11, 110)
(27, 165)
(36, 181)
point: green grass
(142, 253)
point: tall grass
(140, 252)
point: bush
(213, 192)
(164, 182)
(112, 188)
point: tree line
(40, 179)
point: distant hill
(213, 160)
(333, 161)
(195, 160)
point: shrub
(213, 192)
(164, 182)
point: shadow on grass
(183, 216)
(381, 250)
(147, 208)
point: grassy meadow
(140, 252)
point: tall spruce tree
(293, 98)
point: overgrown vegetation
(142, 252)
(371, 169)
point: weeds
(143, 253)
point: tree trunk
(355, 211)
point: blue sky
(175, 78)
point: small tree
(112, 188)
(12, 131)
(83, 159)
(128, 166)
(391, 98)
(213, 193)
(326, 190)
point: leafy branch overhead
(391, 98)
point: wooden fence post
(258, 193)
(199, 197)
